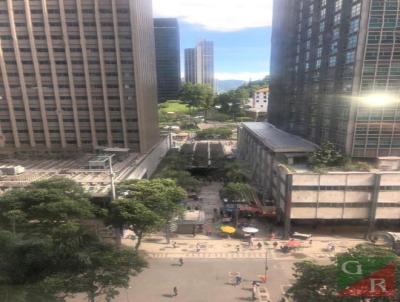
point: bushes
(327, 156)
(214, 133)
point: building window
(322, 26)
(318, 64)
(336, 20)
(323, 14)
(309, 21)
(350, 56)
(356, 10)
(338, 5)
(309, 32)
(352, 41)
(319, 52)
(332, 61)
(354, 25)
(335, 34)
(334, 47)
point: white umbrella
(250, 230)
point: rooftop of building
(265, 89)
(96, 181)
(279, 141)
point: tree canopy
(197, 95)
(315, 283)
(238, 192)
(50, 250)
(145, 206)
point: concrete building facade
(302, 195)
(259, 102)
(330, 59)
(199, 64)
(168, 59)
(77, 75)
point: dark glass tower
(168, 58)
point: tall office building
(190, 65)
(205, 63)
(77, 75)
(199, 64)
(167, 58)
(336, 73)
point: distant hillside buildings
(259, 101)
(199, 64)
(167, 58)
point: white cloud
(218, 15)
(244, 76)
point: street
(205, 280)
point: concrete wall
(148, 163)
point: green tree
(315, 283)
(236, 171)
(157, 200)
(214, 133)
(238, 192)
(183, 179)
(49, 246)
(197, 95)
(134, 215)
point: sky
(240, 29)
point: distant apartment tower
(205, 63)
(199, 64)
(190, 65)
(167, 58)
(328, 59)
(77, 75)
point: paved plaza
(205, 281)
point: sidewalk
(218, 248)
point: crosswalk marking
(231, 255)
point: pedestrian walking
(310, 242)
(259, 245)
(275, 244)
(197, 247)
(237, 248)
(175, 291)
(180, 261)
(174, 244)
(238, 280)
(254, 292)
